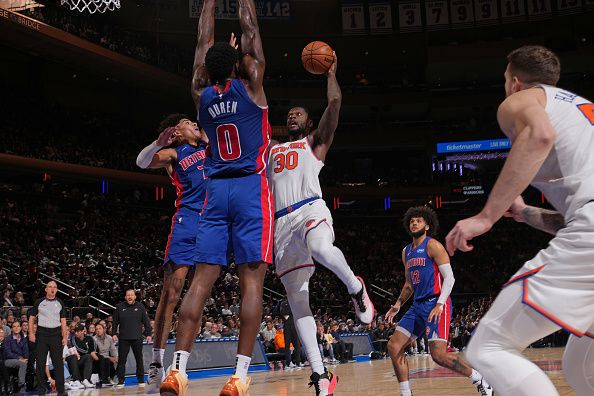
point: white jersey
(293, 173)
(567, 176)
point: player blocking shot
(429, 280)
(303, 225)
(237, 215)
(552, 134)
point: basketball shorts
(236, 221)
(181, 244)
(559, 281)
(415, 322)
(290, 244)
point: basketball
(317, 57)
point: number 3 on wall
(228, 142)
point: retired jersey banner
(380, 16)
(485, 12)
(409, 16)
(353, 17)
(461, 14)
(569, 7)
(229, 9)
(539, 10)
(437, 15)
(513, 11)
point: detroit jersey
(188, 176)
(293, 173)
(423, 273)
(238, 131)
(567, 176)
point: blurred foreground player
(238, 211)
(429, 279)
(180, 150)
(552, 134)
(303, 227)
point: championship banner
(229, 9)
(380, 16)
(437, 15)
(353, 17)
(485, 12)
(461, 14)
(409, 16)
(539, 10)
(569, 7)
(513, 11)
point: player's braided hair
(220, 60)
(427, 214)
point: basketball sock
(158, 355)
(320, 242)
(475, 376)
(296, 284)
(180, 360)
(242, 363)
(501, 336)
(306, 328)
(405, 389)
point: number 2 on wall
(228, 142)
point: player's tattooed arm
(324, 135)
(206, 26)
(543, 219)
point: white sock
(241, 367)
(158, 355)
(475, 376)
(306, 328)
(321, 245)
(180, 360)
(405, 389)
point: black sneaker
(323, 384)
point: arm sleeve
(146, 155)
(448, 282)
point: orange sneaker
(235, 387)
(175, 384)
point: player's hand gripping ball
(317, 57)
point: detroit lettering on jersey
(296, 145)
(217, 109)
(192, 159)
(415, 262)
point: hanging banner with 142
(229, 9)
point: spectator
(5, 385)
(16, 352)
(325, 343)
(214, 332)
(337, 343)
(81, 362)
(128, 320)
(380, 338)
(108, 355)
(268, 335)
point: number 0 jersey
(293, 173)
(238, 131)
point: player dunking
(238, 208)
(184, 164)
(429, 280)
(552, 134)
(303, 225)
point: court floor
(364, 378)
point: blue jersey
(188, 176)
(238, 131)
(423, 273)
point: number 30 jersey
(293, 173)
(237, 129)
(423, 273)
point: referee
(52, 335)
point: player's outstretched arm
(545, 220)
(153, 157)
(523, 118)
(324, 135)
(253, 62)
(206, 25)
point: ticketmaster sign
(474, 145)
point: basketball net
(91, 6)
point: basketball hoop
(91, 6)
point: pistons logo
(309, 223)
